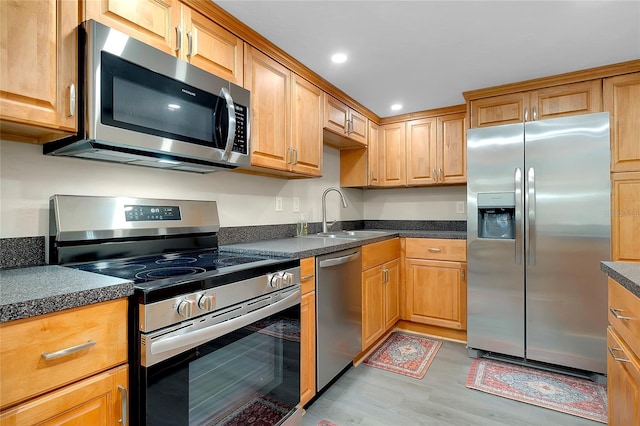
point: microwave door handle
(231, 133)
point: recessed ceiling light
(396, 107)
(339, 58)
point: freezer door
(495, 266)
(567, 196)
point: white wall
(28, 179)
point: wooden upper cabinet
(452, 148)
(306, 122)
(373, 159)
(568, 99)
(504, 109)
(286, 121)
(422, 167)
(625, 220)
(346, 128)
(550, 102)
(622, 100)
(154, 22)
(270, 86)
(38, 69)
(210, 47)
(391, 152)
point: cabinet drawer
(308, 274)
(625, 305)
(378, 253)
(25, 371)
(436, 249)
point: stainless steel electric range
(214, 336)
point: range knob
(287, 278)
(186, 307)
(207, 302)
(275, 281)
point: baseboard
(433, 331)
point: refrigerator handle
(517, 189)
(531, 217)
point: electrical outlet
(296, 204)
(459, 206)
(278, 204)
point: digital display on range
(142, 213)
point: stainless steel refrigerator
(538, 225)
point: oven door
(250, 372)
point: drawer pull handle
(615, 313)
(68, 351)
(307, 277)
(124, 401)
(434, 250)
(615, 357)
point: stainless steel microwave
(141, 106)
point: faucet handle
(330, 224)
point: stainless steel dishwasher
(338, 313)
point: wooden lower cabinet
(623, 357)
(67, 367)
(99, 400)
(380, 289)
(307, 331)
(435, 287)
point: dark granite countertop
(300, 247)
(27, 292)
(625, 273)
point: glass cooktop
(159, 267)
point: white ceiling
(424, 54)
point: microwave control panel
(240, 144)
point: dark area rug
(406, 354)
(567, 394)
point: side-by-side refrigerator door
(567, 208)
(495, 256)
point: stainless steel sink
(349, 234)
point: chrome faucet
(325, 227)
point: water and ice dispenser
(497, 215)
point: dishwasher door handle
(339, 260)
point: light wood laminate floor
(370, 396)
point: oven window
(251, 375)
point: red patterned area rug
(405, 354)
(326, 423)
(571, 395)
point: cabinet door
(207, 45)
(392, 154)
(625, 216)
(373, 155)
(336, 115)
(392, 293)
(621, 96)
(307, 347)
(498, 110)
(358, 127)
(452, 148)
(98, 400)
(38, 65)
(154, 22)
(422, 167)
(623, 382)
(568, 99)
(436, 293)
(270, 86)
(373, 323)
(306, 124)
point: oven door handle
(207, 334)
